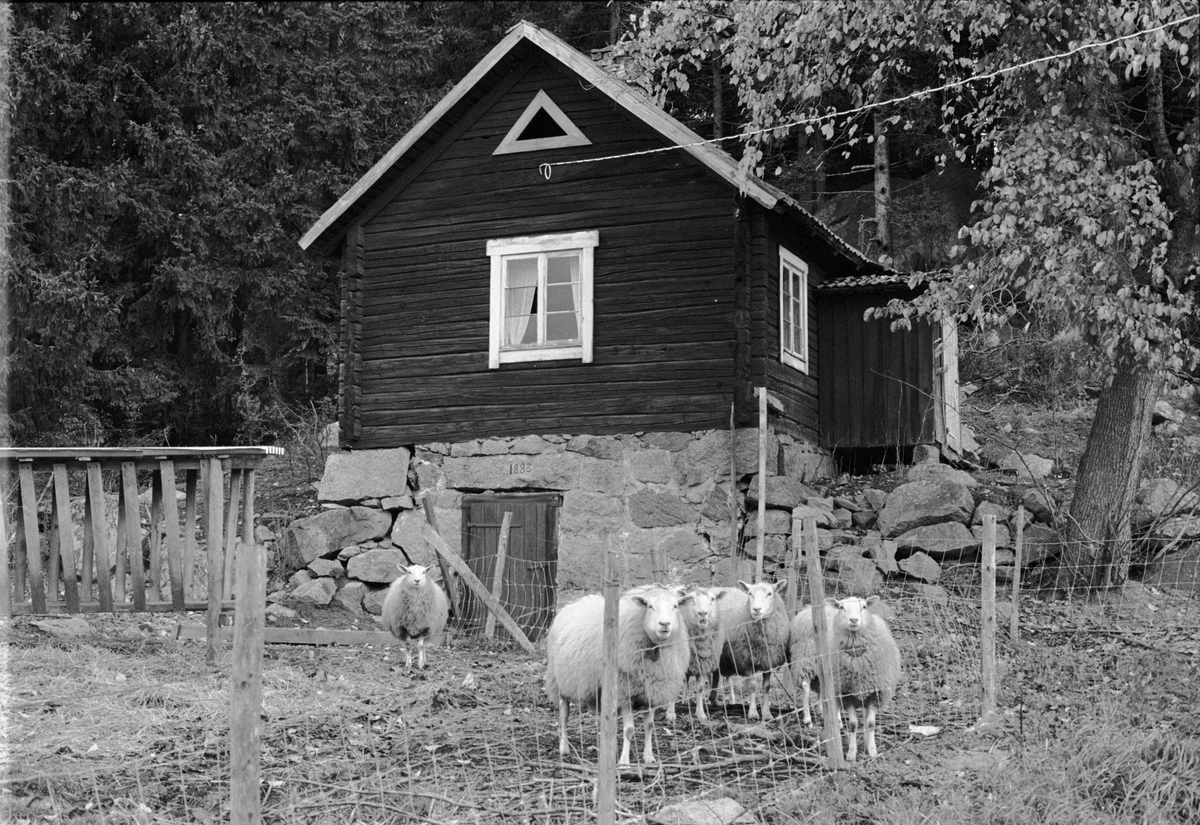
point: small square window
(541, 298)
(793, 310)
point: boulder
(926, 454)
(1039, 504)
(328, 532)
(649, 509)
(1179, 570)
(864, 519)
(327, 567)
(1038, 543)
(884, 554)
(824, 517)
(948, 540)
(1158, 497)
(851, 573)
(1025, 465)
(378, 566)
(352, 477)
(1003, 535)
(939, 473)
(920, 503)
(350, 597)
(723, 811)
(784, 492)
(922, 567)
(372, 600)
(316, 592)
(989, 508)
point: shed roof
(513, 48)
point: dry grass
(127, 726)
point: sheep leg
(713, 681)
(701, 711)
(648, 732)
(627, 732)
(851, 734)
(766, 696)
(407, 656)
(671, 712)
(869, 729)
(806, 700)
(564, 709)
(751, 687)
(421, 653)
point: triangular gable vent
(541, 126)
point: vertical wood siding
(351, 335)
(878, 386)
(664, 284)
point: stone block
(354, 476)
(920, 566)
(653, 466)
(920, 503)
(316, 592)
(350, 597)
(948, 540)
(327, 567)
(783, 492)
(377, 566)
(652, 509)
(328, 532)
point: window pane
(562, 327)
(561, 269)
(560, 298)
(520, 301)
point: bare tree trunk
(883, 190)
(718, 99)
(1099, 539)
(614, 22)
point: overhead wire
(547, 168)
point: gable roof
(331, 225)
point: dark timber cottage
(575, 345)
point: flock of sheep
(677, 642)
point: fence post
(5, 581)
(733, 505)
(489, 628)
(426, 497)
(793, 575)
(606, 759)
(245, 717)
(987, 670)
(829, 708)
(1014, 629)
(762, 483)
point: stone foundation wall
(664, 492)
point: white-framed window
(541, 292)
(793, 310)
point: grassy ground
(126, 725)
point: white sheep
(416, 607)
(652, 658)
(866, 670)
(706, 639)
(757, 632)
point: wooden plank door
(531, 570)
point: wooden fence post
(762, 483)
(489, 627)
(245, 717)
(1014, 629)
(733, 505)
(793, 574)
(826, 651)
(5, 581)
(987, 670)
(606, 759)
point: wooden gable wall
(663, 290)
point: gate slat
(214, 496)
(231, 535)
(5, 581)
(95, 490)
(133, 533)
(33, 541)
(66, 536)
(156, 532)
(189, 532)
(166, 471)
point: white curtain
(520, 289)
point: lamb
(415, 607)
(866, 671)
(706, 639)
(652, 659)
(757, 638)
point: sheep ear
(743, 585)
(685, 598)
(872, 599)
(639, 600)
(720, 594)
(831, 601)
(779, 585)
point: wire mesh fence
(127, 725)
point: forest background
(166, 157)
